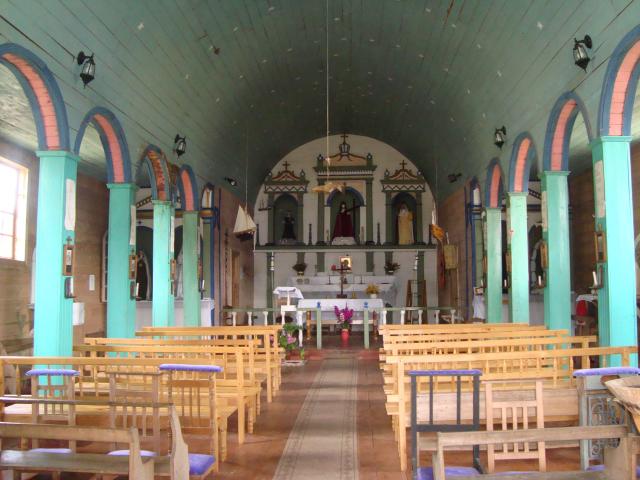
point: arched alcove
(285, 220)
(399, 200)
(353, 201)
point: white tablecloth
(357, 304)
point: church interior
(319, 239)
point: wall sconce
(180, 145)
(88, 71)
(231, 181)
(498, 136)
(453, 177)
(580, 55)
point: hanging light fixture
(498, 136)
(180, 145)
(453, 177)
(88, 71)
(580, 55)
(231, 181)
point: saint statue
(343, 228)
(288, 232)
(405, 225)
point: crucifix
(286, 166)
(343, 270)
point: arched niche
(410, 201)
(353, 200)
(285, 211)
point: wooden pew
(555, 367)
(236, 385)
(134, 465)
(620, 462)
(145, 417)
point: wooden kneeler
(431, 426)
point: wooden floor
(377, 450)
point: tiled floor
(377, 450)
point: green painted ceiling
(431, 78)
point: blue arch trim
(52, 86)
(146, 163)
(553, 122)
(194, 187)
(493, 164)
(609, 78)
(122, 140)
(514, 156)
(348, 189)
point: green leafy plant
(300, 267)
(372, 289)
(288, 339)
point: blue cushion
(185, 367)
(51, 450)
(600, 468)
(123, 453)
(426, 473)
(588, 372)
(199, 463)
(65, 372)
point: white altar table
(327, 304)
(327, 286)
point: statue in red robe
(344, 223)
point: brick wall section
(582, 222)
(451, 218)
(16, 315)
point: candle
(505, 283)
(539, 281)
(137, 289)
(595, 278)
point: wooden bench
(134, 465)
(554, 367)
(620, 462)
(144, 417)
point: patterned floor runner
(323, 442)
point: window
(13, 210)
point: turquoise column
(614, 216)
(121, 308)
(53, 329)
(173, 281)
(555, 232)
(519, 289)
(190, 287)
(493, 293)
(162, 253)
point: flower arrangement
(391, 267)
(372, 289)
(300, 268)
(344, 317)
(288, 339)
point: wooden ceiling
(431, 78)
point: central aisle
(323, 443)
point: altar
(356, 304)
(328, 286)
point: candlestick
(595, 278)
(505, 283)
(539, 281)
(137, 290)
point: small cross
(286, 165)
(403, 164)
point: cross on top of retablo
(286, 165)
(403, 164)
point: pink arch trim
(557, 145)
(41, 93)
(620, 86)
(114, 147)
(188, 202)
(495, 187)
(521, 162)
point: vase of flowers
(391, 267)
(300, 268)
(372, 290)
(288, 340)
(344, 317)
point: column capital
(122, 186)
(58, 153)
(162, 203)
(517, 194)
(610, 138)
(492, 209)
(556, 173)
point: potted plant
(288, 340)
(372, 290)
(391, 267)
(344, 317)
(300, 268)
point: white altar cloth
(357, 304)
